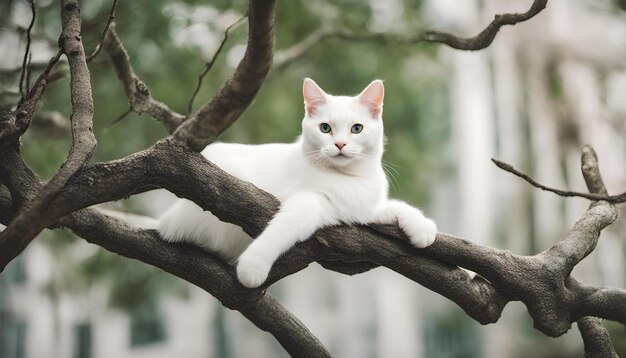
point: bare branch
(597, 341)
(554, 300)
(15, 123)
(485, 37)
(190, 263)
(285, 57)
(583, 237)
(603, 302)
(203, 270)
(136, 90)
(110, 20)
(121, 116)
(566, 193)
(239, 91)
(36, 215)
(25, 68)
(552, 304)
(209, 64)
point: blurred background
(533, 98)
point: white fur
(316, 186)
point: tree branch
(185, 261)
(14, 123)
(239, 91)
(136, 90)
(36, 215)
(25, 67)
(541, 281)
(597, 341)
(485, 37)
(481, 41)
(110, 20)
(566, 193)
(209, 64)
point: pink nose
(340, 145)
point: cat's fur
(317, 183)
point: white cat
(331, 174)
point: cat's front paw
(252, 269)
(420, 230)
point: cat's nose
(340, 145)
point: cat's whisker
(390, 163)
(391, 178)
(391, 169)
(391, 166)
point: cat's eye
(325, 127)
(356, 128)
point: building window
(452, 334)
(146, 325)
(222, 344)
(20, 339)
(82, 341)
(12, 336)
(16, 270)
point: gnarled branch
(541, 282)
(36, 215)
(136, 90)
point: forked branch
(36, 214)
(615, 199)
(136, 90)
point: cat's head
(343, 131)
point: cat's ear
(372, 98)
(314, 96)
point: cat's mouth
(342, 156)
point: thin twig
(28, 65)
(42, 81)
(23, 90)
(209, 64)
(96, 51)
(121, 116)
(615, 199)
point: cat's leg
(298, 218)
(187, 222)
(420, 230)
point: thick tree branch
(136, 90)
(538, 281)
(541, 282)
(239, 91)
(36, 215)
(597, 341)
(481, 41)
(190, 263)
